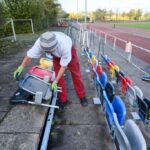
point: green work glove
(54, 86)
(18, 72)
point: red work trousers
(74, 68)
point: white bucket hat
(48, 41)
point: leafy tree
(62, 13)
(110, 14)
(124, 14)
(2, 18)
(100, 14)
(138, 14)
(147, 16)
(43, 12)
(131, 14)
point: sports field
(136, 25)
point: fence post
(80, 34)
(13, 29)
(114, 47)
(99, 47)
(90, 34)
(85, 38)
(102, 46)
(128, 49)
(32, 26)
(105, 38)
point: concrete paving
(77, 128)
(82, 128)
(21, 125)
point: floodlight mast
(85, 18)
(77, 12)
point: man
(60, 46)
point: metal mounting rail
(48, 126)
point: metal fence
(100, 41)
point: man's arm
(26, 61)
(19, 70)
(60, 73)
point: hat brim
(49, 50)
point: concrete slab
(2, 114)
(77, 115)
(84, 137)
(19, 141)
(4, 104)
(73, 98)
(88, 84)
(29, 119)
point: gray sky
(120, 5)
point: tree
(147, 16)
(131, 14)
(100, 14)
(43, 12)
(124, 14)
(138, 14)
(2, 18)
(110, 13)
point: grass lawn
(136, 25)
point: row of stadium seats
(125, 134)
(133, 93)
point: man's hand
(18, 72)
(54, 86)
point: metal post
(103, 47)
(77, 12)
(114, 43)
(85, 18)
(13, 29)
(80, 34)
(128, 49)
(32, 26)
(105, 38)
(99, 47)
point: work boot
(84, 101)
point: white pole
(85, 18)
(32, 26)
(13, 29)
(77, 12)
(128, 49)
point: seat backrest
(134, 136)
(110, 91)
(41, 72)
(147, 101)
(33, 84)
(120, 139)
(131, 95)
(143, 108)
(109, 110)
(90, 54)
(123, 84)
(99, 69)
(138, 91)
(119, 109)
(103, 79)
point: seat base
(21, 97)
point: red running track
(135, 39)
